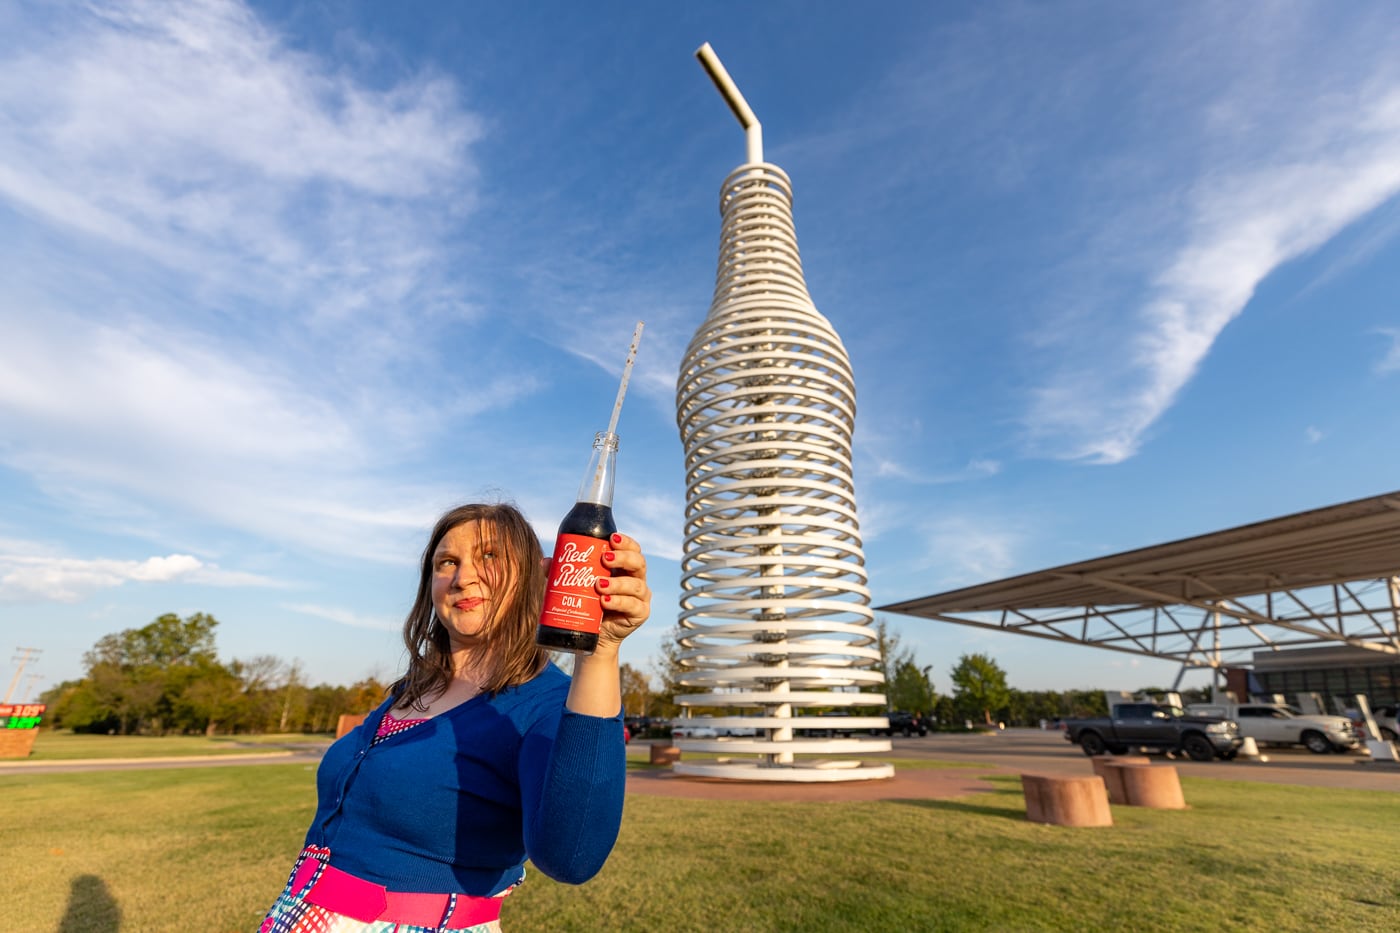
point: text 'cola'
(573, 609)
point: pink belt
(367, 902)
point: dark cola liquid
(590, 520)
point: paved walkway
(1016, 752)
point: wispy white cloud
(153, 397)
(1291, 165)
(191, 134)
(1390, 360)
(230, 249)
(25, 577)
(150, 419)
(1242, 228)
(963, 550)
(974, 469)
(346, 617)
(653, 519)
(1313, 435)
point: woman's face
(469, 575)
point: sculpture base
(801, 772)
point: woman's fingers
(626, 596)
(625, 555)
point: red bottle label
(570, 601)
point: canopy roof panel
(1141, 601)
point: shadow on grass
(91, 908)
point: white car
(1385, 718)
(684, 730)
(1274, 724)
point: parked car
(1385, 719)
(1275, 724)
(825, 725)
(638, 725)
(905, 724)
(1159, 727)
(692, 729)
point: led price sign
(21, 715)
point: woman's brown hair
(509, 647)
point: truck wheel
(1387, 734)
(1198, 748)
(1317, 743)
(1092, 743)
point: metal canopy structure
(1327, 576)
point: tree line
(166, 678)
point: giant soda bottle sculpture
(775, 612)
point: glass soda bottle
(573, 609)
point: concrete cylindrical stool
(1066, 801)
(665, 754)
(1156, 786)
(1107, 767)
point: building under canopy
(1252, 594)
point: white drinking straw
(626, 374)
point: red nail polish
(617, 539)
(607, 599)
(603, 582)
(608, 555)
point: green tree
(669, 670)
(945, 712)
(136, 678)
(261, 677)
(293, 697)
(211, 701)
(979, 685)
(911, 688)
(363, 696)
(78, 705)
(636, 691)
(908, 686)
(887, 643)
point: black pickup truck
(1164, 728)
(905, 724)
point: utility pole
(23, 659)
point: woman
(483, 755)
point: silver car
(1385, 718)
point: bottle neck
(597, 485)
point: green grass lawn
(207, 849)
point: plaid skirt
(297, 911)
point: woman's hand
(626, 596)
(597, 690)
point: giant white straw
(626, 374)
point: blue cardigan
(457, 803)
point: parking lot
(1035, 751)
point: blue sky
(284, 281)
